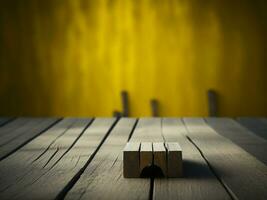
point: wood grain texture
(91, 154)
(103, 178)
(198, 181)
(21, 172)
(241, 136)
(70, 148)
(73, 161)
(131, 160)
(243, 175)
(20, 131)
(147, 130)
(257, 125)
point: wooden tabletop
(81, 158)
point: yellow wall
(73, 57)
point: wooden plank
(160, 157)
(241, 136)
(131, 160)
(256, 125)
(4, 120)
(48, 177)
(29, 162)
(148, 130)
(198, 181)
(11, 127)
(175, 160)
(243, 175)
(103, 178)
(20, 131)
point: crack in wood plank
(22, 135)
(241, 173)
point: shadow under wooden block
(131, 160)
(175, 165)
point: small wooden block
(174, 159)
(137, 158)
(146, 155)
(160, 157)
(131, 160)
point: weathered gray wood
(147, 130)
(50, 162)
(103, 178)
(4, 120)
(198, 181)
(243, 175)
(131, 160)
(256, 125)
(20, 131)
(160, 157)
(241, 136)
(28, 163)
(175, 160)
(146, 155)
(75, 146)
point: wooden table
(81, 158)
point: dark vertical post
(125, 103)
(213, 103)
(116, 113)
(154, 107)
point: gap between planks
(198, 181)
(64, 171)
(104, 173)
(240, 135)
(241, 173)
(21, 131)
(62, 194)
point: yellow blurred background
(74, 57)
